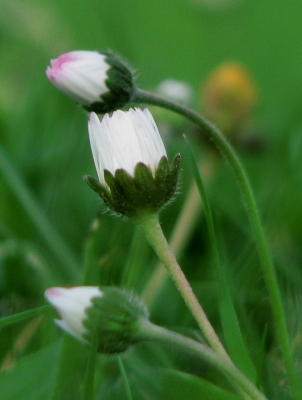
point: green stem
(264, 252)
(151, 228)
(162, 335)
(178, 241)
(183, 228)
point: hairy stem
(151, 228)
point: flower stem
(183, 228)
(162, 335)
(150, 226)
(182, 231)
(264, 252)
(152, 230)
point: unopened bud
(100, 82)
(131, 163)
(116, 315)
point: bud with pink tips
(114, 315)
(100, 82)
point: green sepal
(166, 178)
(101, 190)
(123, 192)
(116, 317)
(116, 191)
(145, 183)
(120, 83)
(131, 196)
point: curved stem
(150, 226)
(159, 334)
(264, 253)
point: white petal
(125, 146)
(147, 134)
(74, 331)
(123, 140)
(95, 137)
(81, 75)
(71, 305)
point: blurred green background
(44, 145)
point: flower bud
(100, 82)
(131, 163)
(115, 314)
(71, 305)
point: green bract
(120, 85)
(116, 316)
(131, 196)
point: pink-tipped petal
(80, 74)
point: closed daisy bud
(71, 305)
(131, 163)
(100, 82)
(118, 316)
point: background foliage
(44, 151)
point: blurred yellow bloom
(228, 97)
